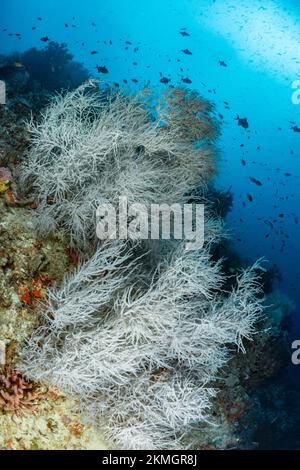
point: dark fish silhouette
(186, 51)
(255, 181)
(243, 122)
(222, 63)
(184, 33)
(186, 80)
(165, 80)
(45, 39)
(94, 52)
(102, 69)
(295, 128)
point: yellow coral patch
(4, 186)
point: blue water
(259, 42)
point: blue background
(260, 43)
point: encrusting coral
(140, 331)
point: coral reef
(16, 393)
(32, 416)
(147, 326)
(49, 69)
(147, 336)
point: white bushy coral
(89, 148)
(139, 331)
(145, 356)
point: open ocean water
(243, 56)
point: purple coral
(5, 174)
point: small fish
(250, 198)
(255, 181)
(165, 80)
(243, 122)
(295, 128)
(184, 33)
(102, 69)
(243, 162)
(45, 39)
(186, 51)
(94, 52)
(186, 80)
(267, 222)
(222, 63)
(8, 70)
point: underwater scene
(149, 225)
